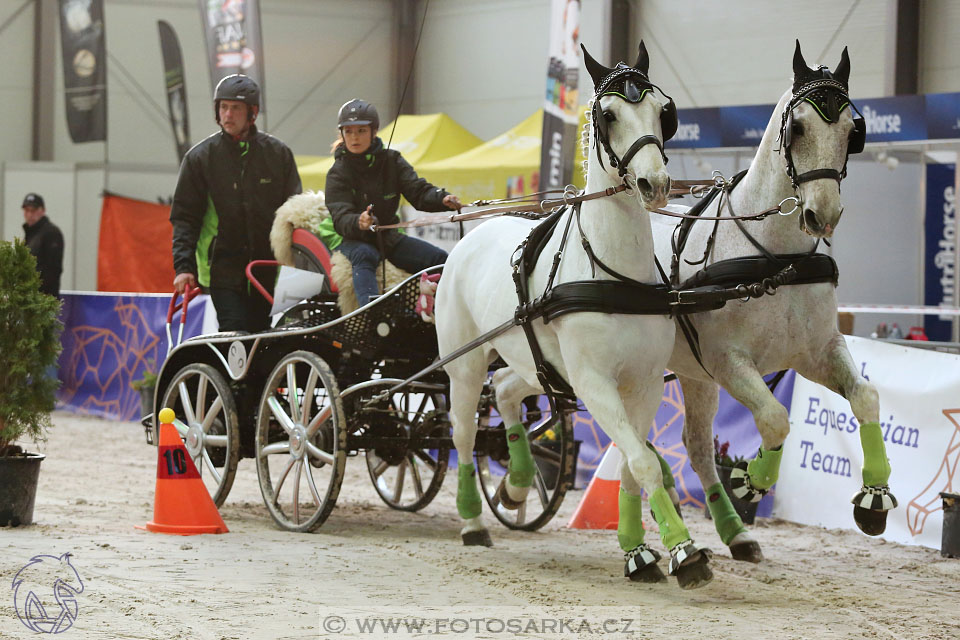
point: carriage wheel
(300, 442)
(552, 446)
(407, 478)
(207, 421)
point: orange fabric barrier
(136, 241)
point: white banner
(920, 418)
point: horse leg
(511, 389)
(739, 376)
(640, 560)
(626, 414)
(837, 371)
(700, 400)
(466, 384)
(669, 485)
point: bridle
(631, 85)
(828, 96)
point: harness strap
(638, 144)
(818, 174)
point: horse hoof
(747, 551)
(696, 573)
(641, 565)
(871, 522)
(650, 574)
(503, 497)
(478, 538)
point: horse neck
(764, 186)
(618, 229)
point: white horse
(614, 362)
(803, 153)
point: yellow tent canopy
(507, 165)
(421, 139)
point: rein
(571, 197)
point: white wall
(16, 81)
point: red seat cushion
(316, 253)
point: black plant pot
(18, 488)
(746, 510)
(950, 538)
(146, 401)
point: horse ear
(643, 60)
(842, 72)
(800, 68)
(596, 70)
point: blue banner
(943, 115)
(894, 119)
(744, 126)
(940, 260)
(698, 128)
(108, 342)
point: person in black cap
(45, 242)
(229, 187)
(363, 188)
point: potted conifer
(29, 346)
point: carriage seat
(295, 244)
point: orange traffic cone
(599, 508)
(181, 505)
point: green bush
(29, 345)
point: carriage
(304, 396)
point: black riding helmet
(236, 87)
(358, 111)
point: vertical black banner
(560, 109)
(84, 68)
(176, 87)
(234, 42)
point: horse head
(630, 124)
(819, 128)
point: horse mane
(585, 138)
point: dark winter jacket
(224, 204)
(378, 177)
(46, 244)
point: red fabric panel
(136, 246)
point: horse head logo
(33, 586)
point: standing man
(45, 242)
(229, 187)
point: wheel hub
(194, 440)
(298, 442)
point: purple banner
(108, 342)
(698, 128)
(744, 126)
(940, 260)
(943, 115)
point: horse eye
(797, 129)
(608, 116)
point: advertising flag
(560, 115)
(234, 43)
(176, 87)
(84, 69)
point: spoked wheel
(207, 421)
(300, 442)
(408, 477)
(552, 446)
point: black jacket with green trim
(378, 177)
(224, 205)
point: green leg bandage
(672, 529)
(725, 517)
(468, 496)
(765, 468)
(522, 466)
(630, 527)
(668, 482)
(876, 467)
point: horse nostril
(810, 218)
(644, 185)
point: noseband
(631, 85)
(829, 98)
